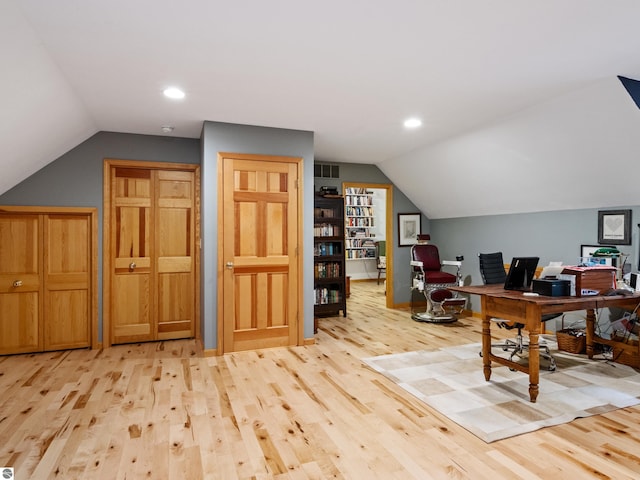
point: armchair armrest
(454, 263)
(458, 265)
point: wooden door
(132, 276)
(174, 234)
(260, 252)
(67, 281)
(20, 283)
(152, 287)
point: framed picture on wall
(614, 227)
(408, 229)
(587, 251)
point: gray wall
(364, 173)
(75, 179)
(552, 236)
(227, 137)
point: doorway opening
(368, 221)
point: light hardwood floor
(163, 411)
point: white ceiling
(525, 87)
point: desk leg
(486, 347)
(591, 323)
(534, 366)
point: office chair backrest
(492, 268)
(428, 255)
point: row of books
(360, 253)
(324, 212)
(357, 191)
(327, 248)
(325, 296)
(327, 270)
(360, 222)
(364, 200)
(327, 230)
(359, 243)
(360, 211)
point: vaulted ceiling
(521, 106)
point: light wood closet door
(67, 281)
(47, 272)
(132, 277)
(152, 245)
(174, 249)
(20, 283)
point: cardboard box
(589, 280)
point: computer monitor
(521, 272)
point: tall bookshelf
(359, 224)
(328, 256)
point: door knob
(229, 265)
(17, 283)
(132, 266)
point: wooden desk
(497, 302)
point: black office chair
(493, 272)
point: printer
(551, 287)
(549, 284)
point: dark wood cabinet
(329, 256)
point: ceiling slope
(575, 151)
(42, 117)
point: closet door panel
(19, 323)
(131, 317)
(67, 260)
(175, 308)
(132, 251)
(67, 324)
(20, 283)
(174, 248)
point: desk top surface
(591, 301)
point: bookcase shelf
(329, 256)
(359, 224)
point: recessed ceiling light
(167, 128)
(412, 123)
(173, 92)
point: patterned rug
(451, 381)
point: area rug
(451, 381)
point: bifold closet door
(152, 244)
(45, 281)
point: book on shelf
(327, 270)
(325, 249)
(324, 212)
(326, 230)
(325, 296)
